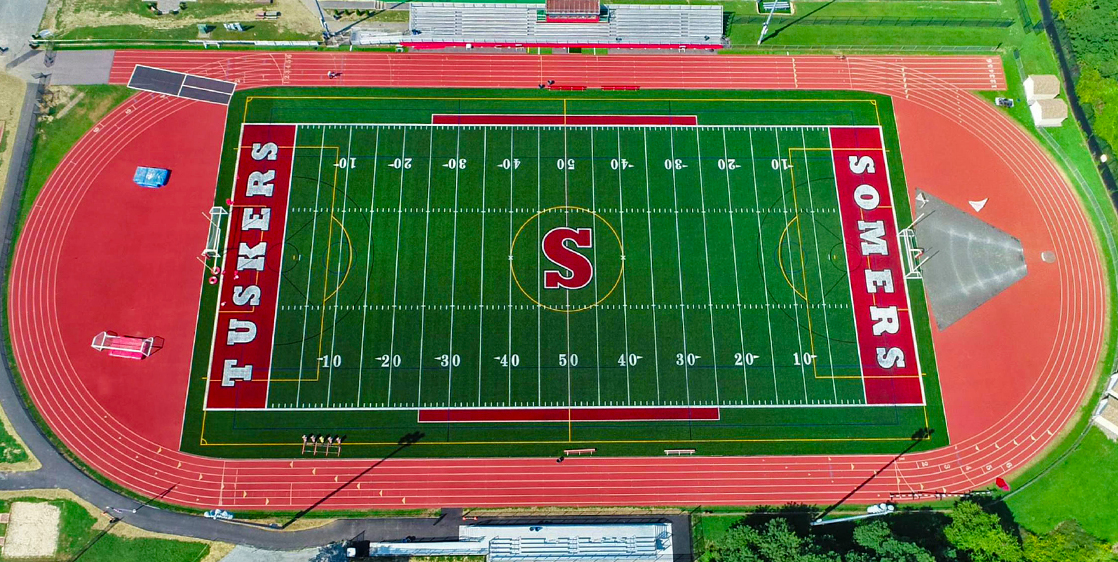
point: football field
(498, 276)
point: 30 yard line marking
(791, 270)
(368, 266)
(706, 254)
(764, 270)
(454, 263)
(679, 262)
(624, 287)
(819, 268)
(734, 249)
(423, 301)
(338, 273)
(651, 264)
(396, 275)
(310, 267)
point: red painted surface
(886, 340)
(1041, 342)
(567, 414)
(486, 119)
(242, 344)
(512, 45)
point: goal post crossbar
(213, 238)
(130, 347)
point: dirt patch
(32, 530)
(62, 16)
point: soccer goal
(128, 347)
(213, 239)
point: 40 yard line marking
(310, 266)
(624, 287)
(368, 266)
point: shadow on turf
(403, 443)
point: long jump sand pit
(32, 530)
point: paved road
(19, 19)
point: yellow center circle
(616, 282)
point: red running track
(1038, 343)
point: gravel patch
(32, 530)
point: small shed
(1049, 113)
(1041, 87)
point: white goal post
(213, 239)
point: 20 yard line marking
(310, 267)
(396, 275)
(423, 301)
(706, 254)
(679, 262)
(338, 273)
(368, 267)
(764, 270)
(734, 249)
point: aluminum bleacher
(453, 24)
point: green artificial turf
(389, 303)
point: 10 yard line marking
(791, 269)
(624, 287)
(338, 273)
(734, 249)
(651, 264)
(396, 275)
(423, 301)
(706, 253)
(310, 267)
(764, 270)
(453, 266)
(368, 266)
(819, 268)
(679, 261)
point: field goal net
(128, 347)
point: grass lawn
(79, 528)
(1075, 490)
(57, 135)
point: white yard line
(396, 275)
(819, 268)
(453, 264)
(764, 269)
(368, 266)
(567, 294)
(508, 358)
(338, 273)
(423, 301)
(679, 262)
(624, 287)
(539, 352)
(310, 266)
(791, 270)
(481, 266)
(706, 254)
(651, 267)
(597, 335)
(734, 249)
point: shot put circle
(567, 208)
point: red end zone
(246, 312)
(882, 316)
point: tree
(774, 542)
(1068, 542)
(878, 544)
(980, 536)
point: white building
(1041, 87)
(1049, 113)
